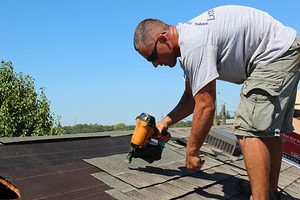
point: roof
(93, 166)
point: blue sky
(82, 52)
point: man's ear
(163, 39)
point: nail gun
(141, 144)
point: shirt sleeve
(200, 67)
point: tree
(23, 111)
(183, 124)
(120, 127)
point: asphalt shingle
(171, 189)
(293, 188)
(118, 194)
(113, 182)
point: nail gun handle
(164, 133)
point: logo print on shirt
(201, 16)
(210, 16)
(210, 13)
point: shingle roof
(93, 166)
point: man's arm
(183, 109)
(202, 121)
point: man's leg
(257, 161)
(275, 147)
(266, 110)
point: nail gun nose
(130, 154)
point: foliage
(24, 112)
(92, 128)
(183, 124)
(85, 128)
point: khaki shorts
(268, 97)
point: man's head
(157, 42)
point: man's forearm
(203, 117)
(202, 122)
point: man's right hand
(161, 126)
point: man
(240, 45)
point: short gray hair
(146, 30)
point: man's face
(159, 54)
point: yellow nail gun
(141, 144)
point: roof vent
(224, 141)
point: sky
(82, 52)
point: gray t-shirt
(228, 43)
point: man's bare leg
(275, 147)
(257, 161)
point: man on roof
(241, 45)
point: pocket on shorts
(259, 96)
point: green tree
(130, 127)
(23, 111)
(183, 124)
(120, 127)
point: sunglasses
(153, 55)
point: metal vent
(224, 141)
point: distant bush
(85, 128)
(183, 124)
(93, 128)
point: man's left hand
(193, 162)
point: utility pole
(223, 115)
(215, 117)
